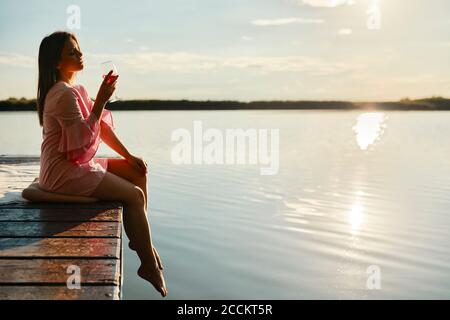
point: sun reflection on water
(355, 217)
(368, 128)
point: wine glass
(106, 67)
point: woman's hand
(138, 163)
(107, 88)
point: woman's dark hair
(50, 52)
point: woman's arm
(107, 133)
(109, 137)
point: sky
(358, 50)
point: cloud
(184, 62)
(148, 62)
(17, 60)
(326, 3)
(246, 38)
(284, 21)
(345, 32)
(422, 78)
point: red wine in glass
(106, 67)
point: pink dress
(71, 136)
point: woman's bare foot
(158, 259)
(154, 276)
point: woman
(73, 126)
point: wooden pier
(60, 250)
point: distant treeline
(433, 103)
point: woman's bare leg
(120, 167)
(113, 187)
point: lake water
(361, 201)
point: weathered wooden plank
(57, 271)
(61, 205)
(59, 214)
(59, 229)
(60, 247)
(40, 240)
(59, 293)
